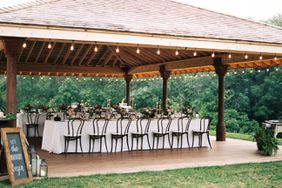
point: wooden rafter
(30, 51)
(86, 52)
(77, 54)
(60, 53)
(66, 56)
(50, 52)
(39, 53)
(105, 54)
(118, 57)
(107, 59)
(92, 57)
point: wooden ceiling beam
(59, 54)
(30, 51)
(50, 52)
(86, 52)
(31, 67)
(92, 57)
(39, 53)
(66, 56)
(77, 54)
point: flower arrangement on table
(27, 108)
(98, 109)
(187, 111)
(168, 112)
(148, 112)
(43, 107)
(7, 116)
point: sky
(254, 9)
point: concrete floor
(230, 152)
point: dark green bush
(266, 143)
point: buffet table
(54, 131)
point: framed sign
(17, 160)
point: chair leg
(142, 143)
(158, 138)
(137, 143)
(178, 141)
(188, 141)
(93, 147)
(112, 144)
(89, 144)
(80, 143)
(163, 141)
(208, 135)
(65, 146)
(116, 144)
(37, 131)
(148, 141)
(199, 141)
(181, 137)
(127, 142)
(27, 132)
(76, 146)
(121, 144)
(106, 144)
(172, 138)
(101, 144)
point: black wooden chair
(122, 129)
(163, 124)
(99, 133)
(183, 124)
(75, 127)
(32, 123)
(204, 129)
(142, 130)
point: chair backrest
(75, 126)
(32, 117)
(142, 125)
(100, 125)
(123, 125)
(205, 124)
(183, 123)
(164, 124)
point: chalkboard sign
(17, 159)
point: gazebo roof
(147, 24)
(163, 17)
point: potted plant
(266, 143)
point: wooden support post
(165, 74)
(220, 70)
(12, 47)
(128, 79)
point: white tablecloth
(22, 120)
(53, 136)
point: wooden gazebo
(130, 39)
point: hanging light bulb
(24, 45)
(158, 52)
(117, 50)
(138, 51)
(96, 48)
(176, 52)
(267, 70)
(260, 57)
(195, 53)
(275, 58)
(49, 46)
(72, 47)
(243, 72)
(229, 56)
(276, 69)
(258, 70)
(213, 55)
(246, 56)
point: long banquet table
(54, 131)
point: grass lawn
(242, 136)
(242, 175)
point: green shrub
(266, 143)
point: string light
(195, 54)
(275, 58)
(246, 56)
(158, 52)
(258, 70)
(267, 70)
(213, 55)
(49, 46)
(260, 57)
(24, 45)
(138, 50)
(117, 50)
(176, 52)
(96, 49)
(276, 69)
(50, 78)
(72, 47)
(32, 78)
(229, 56)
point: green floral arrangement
(146, 112)
(188, 111)
(168, 112)
(27, 108)
(43, 107)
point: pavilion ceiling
(38, 59)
